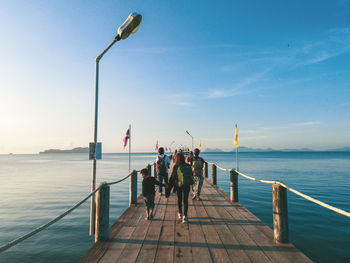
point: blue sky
(279, 69)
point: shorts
(150, 201)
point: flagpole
(129, 146)
(237, 158)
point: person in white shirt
(162, 166)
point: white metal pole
(93, 182)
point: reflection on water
(37, 188)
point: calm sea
(37, 188)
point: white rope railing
(39, 229)
(257, 180)
(337, 210)
(121, 180)
(220, 168)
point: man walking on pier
(197, 164)
(162, 165)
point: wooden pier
(218, 231)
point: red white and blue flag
(156, 146)
(126, 138)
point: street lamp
(130, 26)
(191, 137)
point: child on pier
(148, 192)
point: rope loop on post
(337, 210)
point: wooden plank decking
(218, 231)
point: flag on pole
(156, 146)
(166, 149)
(200, 145)
(236, 137)
(126, 138)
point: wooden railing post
(102, 213)
(280, 213)
(205, 169)
(133, 188)
(213, 174)
(154, 169)
(149, 170)
(233, 186)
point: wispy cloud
(239, 88)
(308, 123)
(182, 103)
(217, 93)
(181, 99)
(289, 56)
(336, 42)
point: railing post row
(205, 169)
(154, 169)
(133, 188)
(213, 174)
(102, 213)
(280, 213)
(233, 186)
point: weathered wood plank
(216, 248)
(281, 252)
(244, 241)
(221, 222)
(132, 250)
(275, 252)
(166, 247)
(149, 247)
(218, 231)
(199, 245)
(183, 249)
(115, 248)
(98, 250)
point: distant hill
(75, 150)
(344, 149)
(247, 149)
(213, 150)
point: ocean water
(37, 188)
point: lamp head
(130, 26)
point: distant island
(247, 149)
(75, 150)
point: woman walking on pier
(181, 178)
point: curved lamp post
(192, 139)
(130, 26)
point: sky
(278, 69)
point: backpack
(197, 167)
(160, 166)
(185, 175)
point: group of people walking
(178, 174)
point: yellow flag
(236, 137)
(200, 145)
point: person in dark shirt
(148, 192)
(197, 164)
